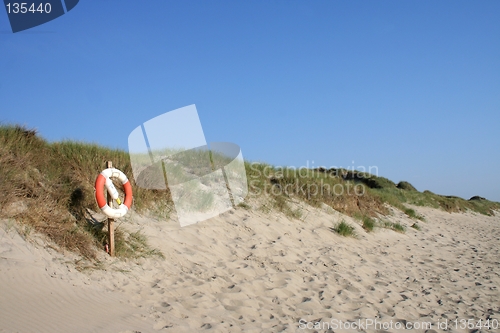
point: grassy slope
(55, 181)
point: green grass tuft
(134, 245)
(368, 223)
(411, 213)
(393, 226)
(344, 229)
(399, 227)
(244, 205)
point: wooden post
(111, 231)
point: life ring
(104, 179)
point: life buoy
(104, 179)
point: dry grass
(313, 187)
(398, 198)
(49, 186)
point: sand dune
(249, 271)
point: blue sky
(411, 87)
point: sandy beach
(251, 271)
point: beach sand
(250, 271)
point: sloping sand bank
(248, 271)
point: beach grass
(54, 182)
(393, 226)
(49, 188)
(368, 223)
(344, 229)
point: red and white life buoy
(104, 179)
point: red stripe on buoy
(128, 194)
(99, 195)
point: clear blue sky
(411, 87)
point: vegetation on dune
(398, 227)
(393, 226)
(368, 223)
(314, 187)
(411, 213)
(344, 229)
(404, 185)
(398, 198)
(352, 192)
(49, 187)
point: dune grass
(411, 213)
(344, 229)
(49, 187)
(398, 198)
(244, 205)
(398, 227)
(313, 187)
(393, 226)
(368, 223)
(134, 245)
(56, 183)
